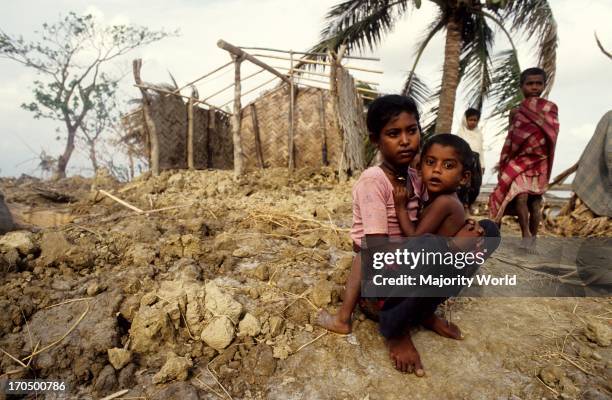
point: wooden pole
(563, 175)
(149, 124)
(237, 118)
(240, 53)
(232, 85)
(324, 159)
(374, 71)
(160, 90)
(210, 130)
(258, 150)
(251, 90)
(291, 149)
(177, 91)
(190, 133)
(299, 71)
(307, 53)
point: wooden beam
(291, 147)
(250, 91)
(237, 118)
(152, 139)
(306, 53)
(298, 71)
(179, 95)
(301, 60)
(177, 91)
(240, 53)
(258, 150)
(190, 133)
(232, 85)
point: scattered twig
(13, 358)
(215, 378)
(548, 387)
(47, 347)
(67, 302)
(311, 342)
(209, 388)
(115, 395)
(122, 202)
(566, 358)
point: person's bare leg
(535, 216)
(341, 321)
(522, 211)
(404, 355)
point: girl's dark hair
(532, 71)
(469, 159)
(385, 108)
(472, 112)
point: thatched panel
(212, 141)
(169, 115)
(314, 128)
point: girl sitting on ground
(393, 123)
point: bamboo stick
(177, 91)
(301, 60)
(232, 84)
(307, 53)
(251, 90)
(323, 127)
(258, 150)
(160, 90)
(291, 148)
(236, 116)
(303, 71)
(123, 203)
(190, 133)
(237, 52)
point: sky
(582, 89)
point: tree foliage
(70, 57)
(362, 24)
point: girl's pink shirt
(373, 205)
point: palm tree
(361, 24)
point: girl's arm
(440, 209)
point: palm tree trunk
(450, 76)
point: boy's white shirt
(474, 137)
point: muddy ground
(214, 294)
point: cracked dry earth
(215, 295)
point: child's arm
(438, 211)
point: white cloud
(581, 89)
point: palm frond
(421, 90)
(603, 50)
(505, 90)
(475, 64)
(360, 24)
(418, 90)
(536, 20)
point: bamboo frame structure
(301, 60)
(307, 53)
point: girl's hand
(400, 197)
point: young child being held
(447, 164)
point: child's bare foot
(528, 244)
(333, 322)
(405, 356)
(442, 327)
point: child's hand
(400, 197)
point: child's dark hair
(467, 158)
(385, 108)
(532, 71)
(472, 112)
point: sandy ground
(214, 295)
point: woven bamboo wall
(315, 129)
(212, 139)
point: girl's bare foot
(405, 356)
(333, 322)
(442, 327)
